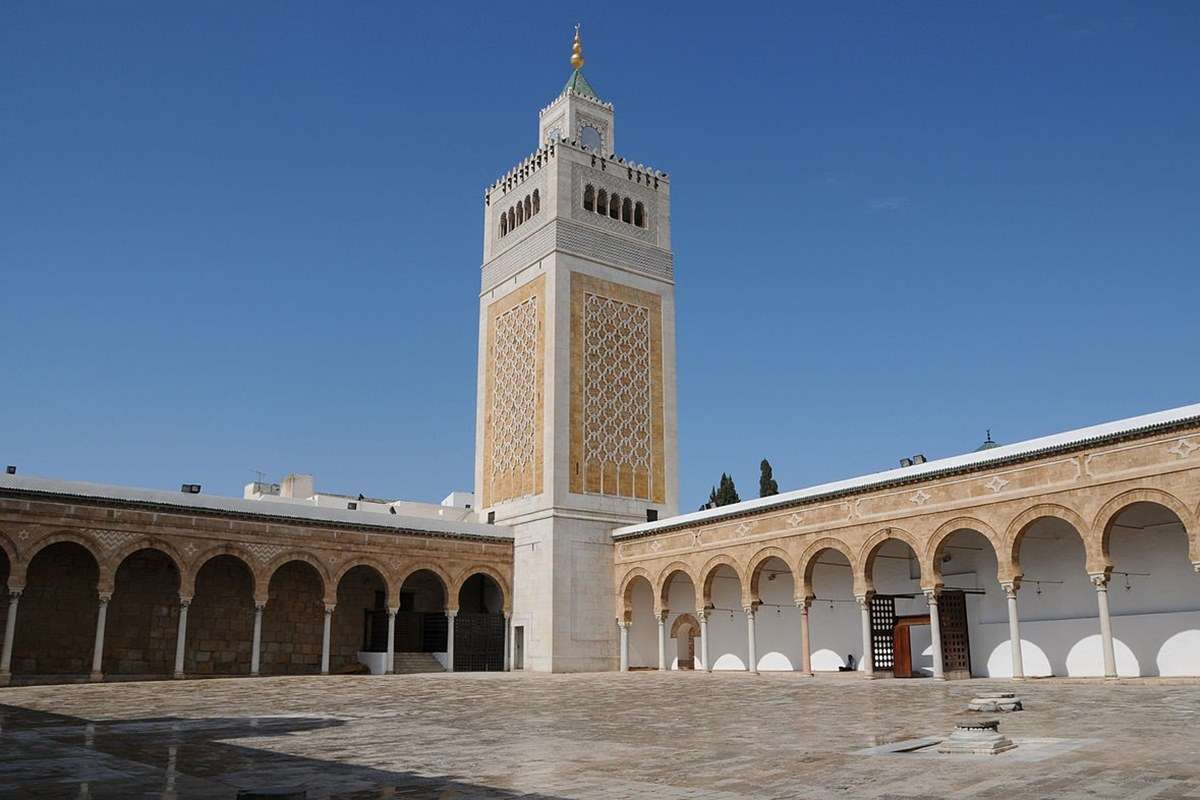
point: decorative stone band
(582, 240)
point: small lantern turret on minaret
(578, 113)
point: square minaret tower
(576, 427)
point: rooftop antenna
(259, 476)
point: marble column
(1014, 629)
(1100, 580)
(450, 615)
(751, 640)
(256, 646)
(662, 641)
(389, 666)
(507, 641)
(704, 640)
(325, 636)
(624, 626)
(10, 631)
(181, 635)
(868, 653)
(98, 648)
(805, 640)
(935, 633)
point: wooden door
(902, 650)
(956, 643)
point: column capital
(864, 598)
(703, 614)
(507, 616)
(185, 600)
(329, 607)
(16, 593)
(1099, 580)
(931, 594)
(393, 611)
(622, 624)
(803, 603)
(451, 613)
(1010, 587)
(105, 596)
(661, 615)
(259, 605)
(1196, 566)
(750, 610)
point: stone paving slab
(678, 735)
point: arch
(662, 585)
(755, 566)
(528, 207)
(808, 559)
(639, 215)
(627, 210)
(47, 541)
(284, 559)
(504, 224)
(187, 582)
(685, 621)
(148, 543)
(1020, 525)
(601, 201)
(512, 218)
(866, 556)
(491, 572)
(709, 569)
(365, 561)
(614, 206)
(10, 552)
(1112, 509)
(520, 212)
(625, 593)
(937, 544)
(589, 198)
(408, 570)
(537, 202)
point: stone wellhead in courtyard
(564, 631)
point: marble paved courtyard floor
(637, 735)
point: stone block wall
(143, 617)
(293, 622)
(356, 594)
(57, 614)
(221, 619)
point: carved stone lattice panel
(616, 390)
(513, 401)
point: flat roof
(982, 459)
(266, 509)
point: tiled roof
(579, 85)
(395, 523)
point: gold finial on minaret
(577, 50)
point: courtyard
(606, 735)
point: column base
(5, 678)
(96, 677)
(803, 674)
(179, 676)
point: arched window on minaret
(520, 213)
(537, 202)
(627, 210)
(639, 215)
(614, 206)
(601, 202)
(504, 224)
(528, 207)
(512, 219)
(589, 198)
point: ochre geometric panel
(513, 395)
(616, 390)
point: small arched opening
(589, 198)
(221, 618)
(293, 621)
(639, 215)
(421, 625)
(627, 210)
(56, 620)
(479, 625)
(359, 627)
(143, 616)
(614, 206)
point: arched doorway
(220, 628)
(901, 639)
(1153, 594)
(479, 625)
(293, 621)
(143, 617)
(777, 619)
(685, 630)
(421, 624)
(727, 625)
(56, 625)
(643, 627)
(1058, 613)
(833, 615)
(973, 607)
(359, 619)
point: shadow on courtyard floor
(54, 756)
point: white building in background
(299, 489)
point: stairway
(410, 663)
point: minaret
(576, 429)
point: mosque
(1074, 554)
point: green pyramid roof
(579, 85)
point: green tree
(766, 480)
(725, 493)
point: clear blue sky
(232, 233)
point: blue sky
(232, 233)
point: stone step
(411, 663)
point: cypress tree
(766, 480)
